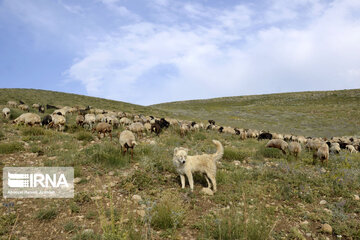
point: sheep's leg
(182, 179)
(110, 136)
(132, 153)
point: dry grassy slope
(325, 113)
(30, 96)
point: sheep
(229, 130)
(80, 120)
(322, 153)
(104, 128)
(277, 136)
(41, 109)
(251, 133)
(21, 102)
(127, 140)
(335, 148)
(48, 106)
(184, 129)
(100, 118)
(30, 119)
(147, 126)
(112, 120)
(137, 128)
(62, 111)
(12, 104)
(89, 120)
(265, 135)
(156, 128)
(46, 120)
(211, 122)
(278, 143)
(294, 148)
(35, 105)
(125, 121)
(24, 107)
(313, 145)
(6, 112)
(243, 135)
(351, 148)
(58, 121)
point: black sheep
(156, 128)
(46, 120)
(265, 135)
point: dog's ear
(176, 150)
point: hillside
(30, 96)
(261, 193)
(325, 113)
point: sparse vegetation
(262, 193)
(11, 147)
(46, 214)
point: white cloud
(235, 51)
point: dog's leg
(182, 178)
(213, 180)
(207, 179)
(191, 180)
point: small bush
(70, 226)
(84, 136)
(107, 154)
(271, 153)
(6, 148)
(233, 154)
(234, 224)
(33, 131)
(74, 207)
(6, 222)
(2, 135)
(167, 214)
(82, 197)
(87, 236)
(46, 214)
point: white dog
(205, 163)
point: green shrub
(46, 214)
(33, 131)
(270, 153)
(84, 136)
(6, 222)
(233, 154)
(107, 154)
(167, 214)
(70, 226)
(12, 147)
(2, 135)
(235, 224)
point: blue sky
(153, 51)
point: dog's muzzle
(183, 162)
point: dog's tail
(219, 150)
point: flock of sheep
(103, 121)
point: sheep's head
(180, 154)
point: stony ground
(262, 194)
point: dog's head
(180, 155)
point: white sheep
(35, 105)
(184, 129)
(58, 122)
(89, 120)
(12, 104)
(277, 136)
(24, 107)
(104, 128)
(314, 144)
(127, 140)
(147, 127)
(229, 130)
(80, 120)
(295, 148)
(322, 153)
(137, 128)
(30, 119)
(351, 148)
(335, 147)
(125, 121)
(279, 144)
(6, 112)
